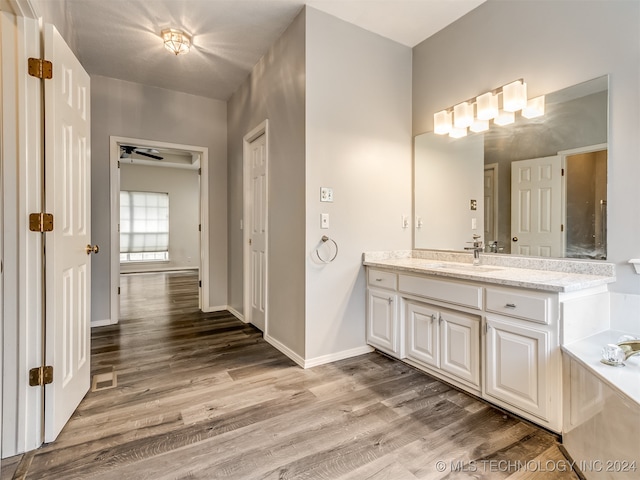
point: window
(144, 226)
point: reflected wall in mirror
(538, 186)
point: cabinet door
(460, 346)
(382, 320)
(423, 333)
(516, 371)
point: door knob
(89, 249)
(515, 239)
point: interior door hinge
(199, 227)
(41, 222)
(199, 171)
(40, 68)
(562, 227)
(40, 376)
(562, 172)
(118, 163)
(200, 283)
(118, 290)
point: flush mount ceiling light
(176, 41)
(498, 105)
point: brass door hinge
(40, 376)
(40, 68)
(41, 222)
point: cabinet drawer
(378, 278)
(532, 306)
(458, 293)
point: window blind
(144, 222)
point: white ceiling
(120, 38)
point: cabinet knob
(510, 305)
(390, 300)
(378, 279)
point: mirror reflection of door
(536, 207)
(491, 207)
(586, 192)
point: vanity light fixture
(498, 105)
(487, 106)
(534, 108)
(458, 132)
(514, 96)
(479, 126)
(504, 118)
(442, 122)
(176, 41)
(463, 115)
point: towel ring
(326, 239)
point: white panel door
(516, 371)
(68, 266)
(460, 346)
(423, 334)
(536, 207)
(258, 231)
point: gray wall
(183, 187)
(131, 110)
(551, 45)
(275, 90)
(359, 143)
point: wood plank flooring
(203, 396)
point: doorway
(141, 154)
(256, 226)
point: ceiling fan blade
(150, 155)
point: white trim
(216, 308)
(262, 128)
(21, 8)
(138, 271)
(236, 314)
(114, 156)
(286, 350)
(334, 357)
(22, 194)
(496, 200)
(101, 323)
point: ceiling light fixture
(498, 105)
(176, 41)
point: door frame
(494, 167)
(261, 129)
(563, 164)
(114, 177)
(22, 286)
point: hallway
(203, 396)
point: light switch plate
(326, 194)
(324, 220)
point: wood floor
(203, 396)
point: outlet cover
(326, 194)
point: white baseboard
(334, 357)
(236, 314)
(314, 362)
(102, 323)
(215, 308)
(286, 350)
(142, 270)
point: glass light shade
(514, 96)
(504, 118)
(442, 122)
(487, 106)
(458, 132)
(534, 108)
(176, 41)
(479, 126)
(463, 115)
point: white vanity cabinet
(522, 355)
(384, 330)
(444, 341)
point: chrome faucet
(630, 348)
(477, 248)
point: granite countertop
(551, 275)
(587, 351)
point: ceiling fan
(127, 150)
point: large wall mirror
(537, 187)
